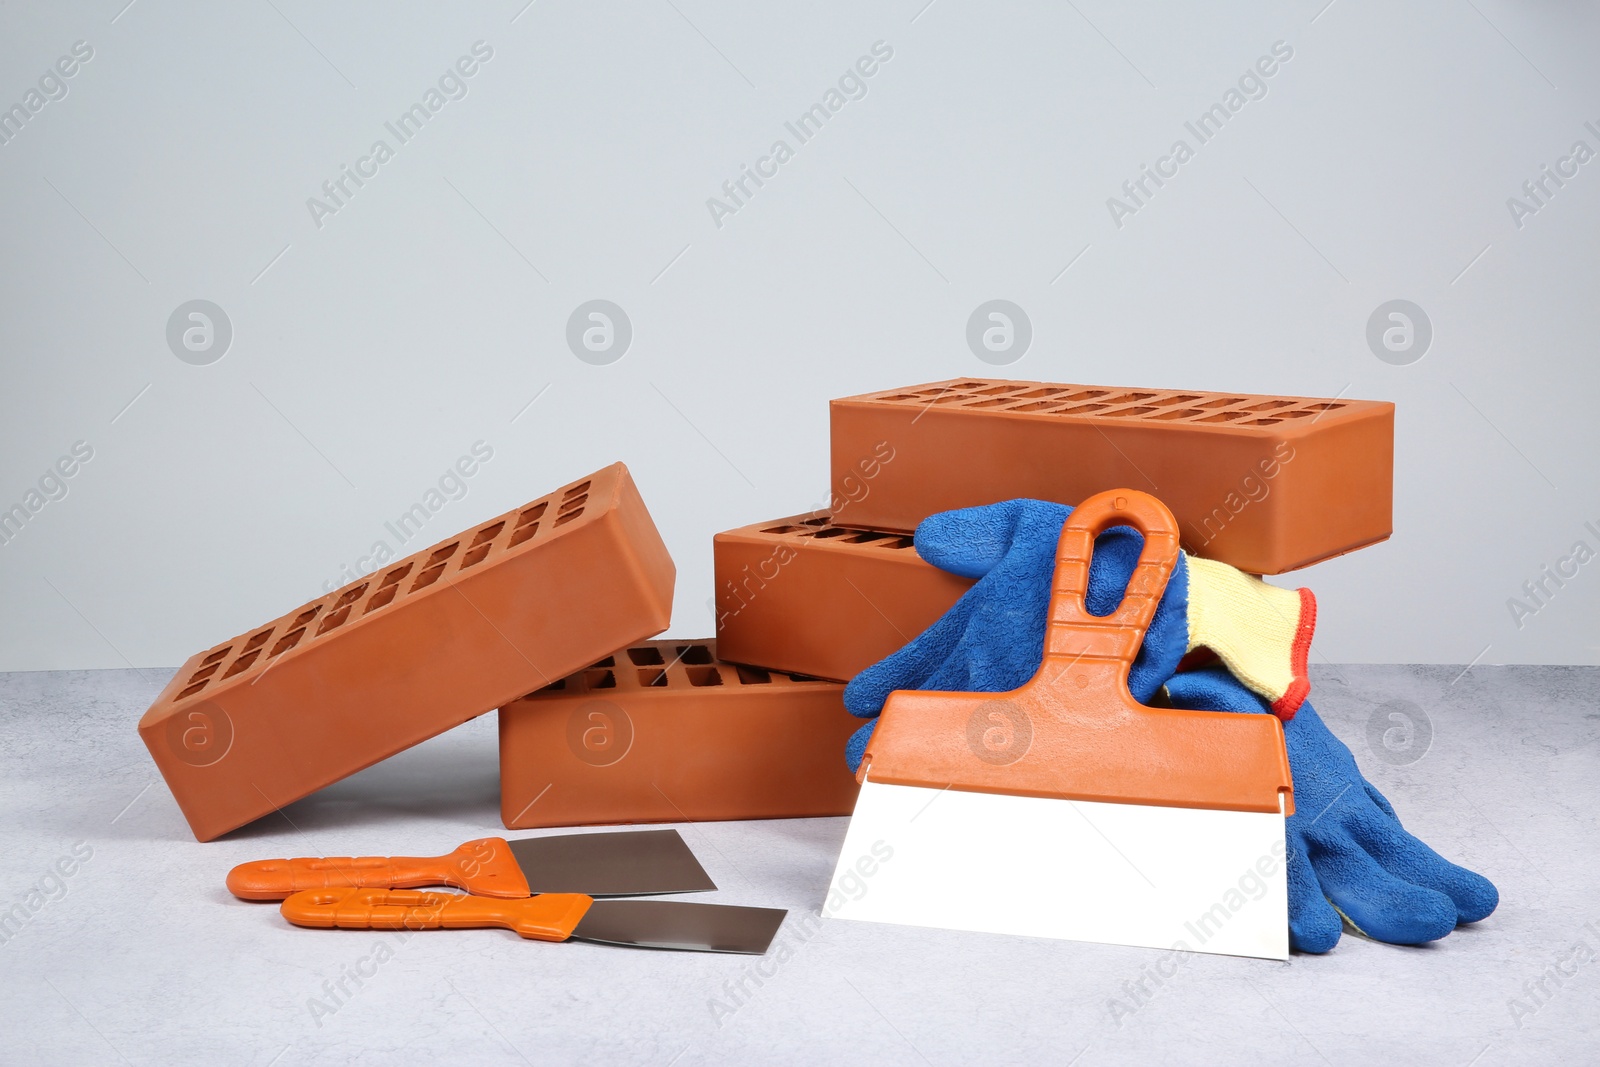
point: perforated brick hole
(703, 676)
(204, 672)
(652, 677)
(752, 675)
(242, 663)
(433, 567)
(482, 542)
(570, 510)
(694, 654)
(818, 529)
(527, 524)
(340, 612)
(1170, 407)
(286, 642)
(387, 589)
(600, 679)
(646, 656)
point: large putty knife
(552, 917)
(627, 863)
(1065, 808)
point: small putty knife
(549, 917)
(625, 864)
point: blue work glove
(992, 639)
(1345, 843)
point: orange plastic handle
(484, 867)
(1074, 731)
(547, 917)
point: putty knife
(1090, 816)
(630, 863)
(550, 917)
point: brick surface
(1265, 483)
(801, 594)
(420, 646)
(664, 731)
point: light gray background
(425, 315)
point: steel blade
(629, 863)
(677, 924)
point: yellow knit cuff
(1260, 632)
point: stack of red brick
(528, 612)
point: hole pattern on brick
(242, 663)
(670, 666)
(425, 579)
(1035, 398)
(752, 675)
(819, 529)
(333, 620)
(342, 605)
(703, 676)
(286, 642)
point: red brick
(426, 643)
(664, 731)
(1205, 455)
(800, 594)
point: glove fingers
(970, 541)
(1382, 906)
(1411, 860)
(1380, 800)
(909, 666)
(1313, 924)
(856, 747)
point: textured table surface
(141, 956)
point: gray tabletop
(140, 955)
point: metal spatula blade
(670, 924)
(676, 924)
(626, 864)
